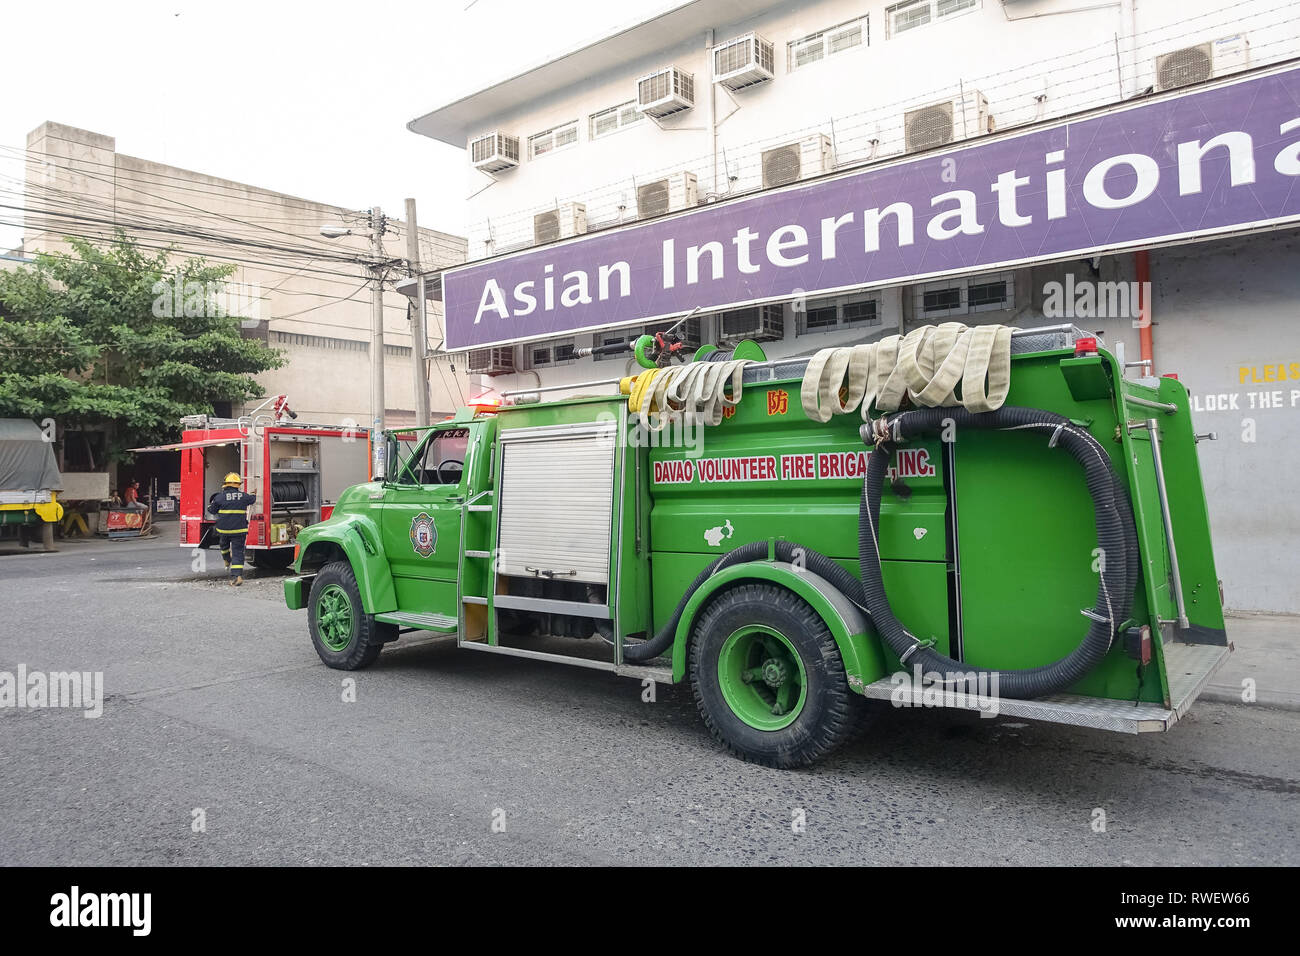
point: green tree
(99, 338)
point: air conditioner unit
(494, 152)
(744, 61)
(941, 123)
(811, 156)
(762, 323)
(569, 219)
(665, 92)
(1204, 61)
(499, 360)
(678, 191)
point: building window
(548, 141)
(993, 293)
(612, 338)
(613, 119)
(917, 13)
(989, 296)
(945, 300)
(339, 345)
(840, 312)
(320, 342)
(551, 353)
(818, 46)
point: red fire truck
(296, 469)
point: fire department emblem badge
(424, 536)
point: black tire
(830, 713)
(367, 636)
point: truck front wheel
(768, 678)
(345, 636)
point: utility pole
(419, 319)
(377, 321)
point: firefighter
(231, 505)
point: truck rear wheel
(345, 636)
(768, 678)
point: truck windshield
(439, 461)
(402, 449)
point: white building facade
(305, 295)
(689, 124)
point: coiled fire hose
(929, 364)
(706, 389)
(1116, 537)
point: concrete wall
(316, 309)
(1225, 315)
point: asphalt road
(215, 701)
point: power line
(188, 186)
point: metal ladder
(472, 506)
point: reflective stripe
(231, 530)
(237, 511)
(236, 567)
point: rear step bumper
(1189, 666)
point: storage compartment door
(556, 503)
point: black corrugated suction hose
(1116, 537)
(814, 561)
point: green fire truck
(1049, 559)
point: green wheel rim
(762, 678)
(334, 618)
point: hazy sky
(310, 99)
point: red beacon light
(1173, 375)
(1085, 346)
(486, 404)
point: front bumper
(296, 591)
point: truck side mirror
(385, 454)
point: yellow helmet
(231, 479)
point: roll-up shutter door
(557, 492)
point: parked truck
(1049, 559)
(297, 470)
(29, 483)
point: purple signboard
(1206, 162)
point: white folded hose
(705, 389)
(927, 365)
